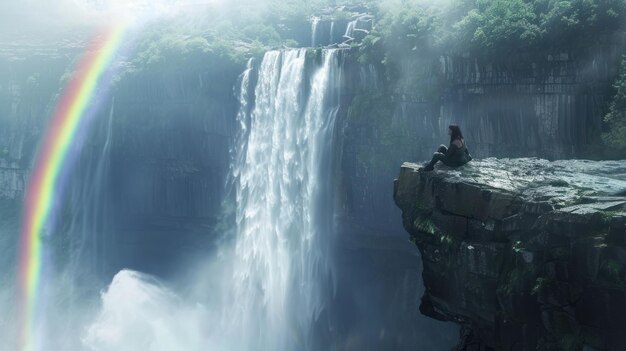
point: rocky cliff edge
(524, 254)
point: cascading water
(271, 288)
(274, 284)
(349, 35)
(89, 209)
(314, 24)
(282, 268)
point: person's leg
(437, 156)
(442, 149)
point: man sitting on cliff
(455, 155)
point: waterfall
(284, 217)
(239, 148)
(268, 286)
(89, 212)
(314, 23)
(349, 35)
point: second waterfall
(283, 172)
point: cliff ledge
(524, 254)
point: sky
(50, 22)
(37, 15)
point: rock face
(524, 254)
(540, 104)
(151, 168)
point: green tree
(496, 24)
(563, 20)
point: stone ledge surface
(525, 254)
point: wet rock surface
(524, 254)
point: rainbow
(43, 184)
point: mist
(232, 189)
(258, 267)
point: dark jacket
(457, 156)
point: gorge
(229, 196)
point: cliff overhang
(524, 254)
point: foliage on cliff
(494, 27)
(615, 137)
(169, 51)
(499, 23)
(506, 24)
(235, 33)
(174, 44)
